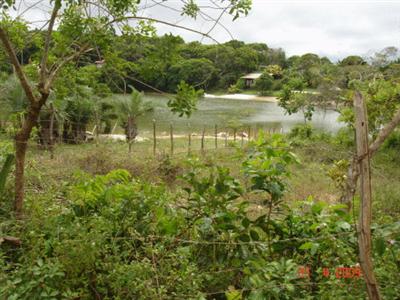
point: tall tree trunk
(21, 145)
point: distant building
(250, 79)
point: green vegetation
(235, 222)
(271, 216)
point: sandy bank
(242, 97)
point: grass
(47, 176)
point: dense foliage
(137, 240)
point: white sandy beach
(242, 97)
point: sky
(332, 28)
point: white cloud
(332, 28)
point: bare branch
(17, 66)
(165, 23)
(28, 8)
(217, 20)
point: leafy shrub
(240, 84)
(42, 280)
(185, 101)
(264, 83)
(345, 137)
(233, 89)
(117, 237)
(302, 131)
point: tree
(185, 101)
(198, 72)
(163, 53)
(80, 108)
(128, 110)
(264, 83)
(353, 60)
(384, 57)
(275, 71)
(276, 57)
(82, 27)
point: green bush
(302, 132)
(117, 237)
(233, 89)
(344, 137)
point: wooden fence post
(248, 133)
(52, 112)
(189, 142)
(115, 126)
(226, 137)
(154, 137)
(171, 135)
(234, 134)
(364, 225)
(202, 139)
(216, 136)
(242, 137)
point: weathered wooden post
(234, 134)
(52, 112)
(189, 142)
(364, 223)
(171, 135)
(154, 138)
(115, 126)
(242, 138)
(216, 136)
(255, 131)
(226, 137)
(202, 139)
(248, 133)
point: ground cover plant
(212, 233)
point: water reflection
(231, 113)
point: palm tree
(128, 110)
(12, 99)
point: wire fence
(208, 138)
(164, 137)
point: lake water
(228, 113)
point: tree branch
(43, 63)
(163, 22)
(18, 69)
(384, 133)
(57, 68)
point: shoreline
(227, 97)
(242, 97)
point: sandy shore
(242, 97)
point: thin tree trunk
(364, 227)
(21, 145)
